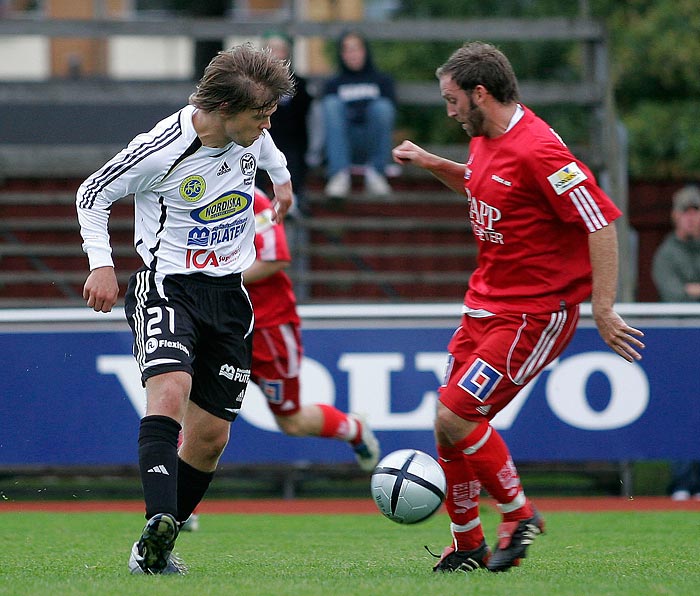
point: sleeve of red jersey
(272, 244)
(270, 237)
(570, 187)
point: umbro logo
(223, 169)
(159, 470)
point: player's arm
(263, 269)
(620, 337)
(274, 162)
(450, 173)
(94, 200)
(283, 198)
(101, 289)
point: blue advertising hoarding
(71, 395)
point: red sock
(489, 456)
(462, 499)
(338, 425)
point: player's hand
(620, 337)
(410, 153)
(101, 289)
(282, 201)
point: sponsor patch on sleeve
(263, 221)
(566, 178)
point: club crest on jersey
(272, 390)
(192, 188)
(480, 380)
(566, 178)
(225, 206)
(248, 164)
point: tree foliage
(654, 48)
(655, 55)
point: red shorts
(277, 353)
(493, 358)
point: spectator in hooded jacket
(359, 108)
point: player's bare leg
(321, 420)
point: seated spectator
(676, 274)
(359, 108)
(676, 265)
(289, 124)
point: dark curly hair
(479, 63)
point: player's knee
(210, 445)
(442, 419)
(291, 425)
(451, 428)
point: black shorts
(198, 324)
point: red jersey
(274, 302)
(532, 205)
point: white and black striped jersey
(193, 204)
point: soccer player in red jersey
(546, 242)
(277, 346)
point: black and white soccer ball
(408, 486)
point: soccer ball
(408, 486)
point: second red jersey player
(277, 346)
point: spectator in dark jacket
(290, 122)
(359, 108)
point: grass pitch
(348, 555)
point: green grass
(307, 555)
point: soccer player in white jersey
(546, 242)
(192, 177)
